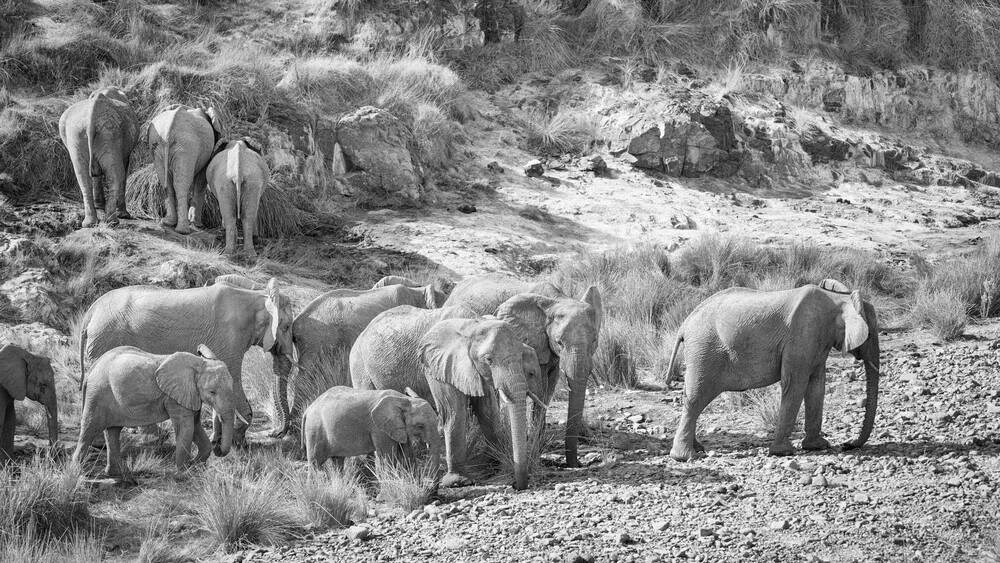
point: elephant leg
(338, 462)
(87, 435)
(486, 409)
(695, 400)
(170, 204)
(114, 181)
(199, 187)
(87, 190)
(455, 444)
(793, 390)
(112, 436)
(182, 190)
(230, 223)
(183, 436)
(7, 422)
(815, 391)
(249, 225)
(97, 183)
(282, 368)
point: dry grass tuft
(943, 310)
(406, 484)
(559, 133)
(329, 499)
(44, 498)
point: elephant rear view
(238, 175)
(181, 140)
(100, 133)
(324, 332)
(741, 339)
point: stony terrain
(923, 489)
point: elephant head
(474, 354)
(434, 298)
(409, 419)
(192, 380)
(274, 322)
(564, 331)
(857, 333)
(26, 375)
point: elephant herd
(420, 361)
(189, 153)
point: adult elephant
(100, 133)
(24, 375)
(562, 330)
(454, 359)
(226, 318)
(237, 175)
(324, 332)
(181, 140)
(741, 339)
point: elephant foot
(698, 447)
(111, 220)
(782, 448)
(183, 229)
(168, 222)
(817, 443)
(124, 214)
(682, 454)
(451, 480)
(89, 222)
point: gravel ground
(923, 489)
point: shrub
(329, 499)
(562, 132)
(46, 499)
(406, 484)
(246, 508)
(715, 262)
(943, 310)
(437, 137)
(32, 156)
(974, 279)
(82, 547)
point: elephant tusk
(538, 400)
(243, 420)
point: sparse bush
(31, 154)
(973, 279)
(559, 133)
(43, 497)
(438, 137)
(943, 310)
(81, 547)
(716, 262)
(329, 499)
(407, 484)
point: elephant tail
(234, 167)
(673, 357)
(83, 348)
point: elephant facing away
(24, 375)
(562, 330)
(327, 328)
(741, 339)
(129, 387)
(238, 175)
(227, 319)
(181, 140)
(100, 133)
(344, 422)
(450, 357)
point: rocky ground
(923, 488)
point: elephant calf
(23, 374)
(129, 387)
(345, 422)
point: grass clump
(974, 279)
(559, 133)
(44, 498)
(943, 310)
(406, 484)
(329, 499)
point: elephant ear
(526, 313)
(236, 280)
(592, 297)
(273, 306)
(205, 352)
(444, 351)
(834, 286)
(855, 326)
(176, 376)
(14, 371)
(389, 416)
(216, 121)
(395, 280)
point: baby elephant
(345, 421)
(129, 387)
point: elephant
(100, 133)
(182, 140)
(226, 318)
(741, 339)
(237, 175)
(24, 375)
(129, 387)
(453, 358)
(328, 326)
(562, 330)
(344, 422)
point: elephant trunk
(870, 355)
(576, 366)
(53, 413)
(228, 421)
(519, 439)
(282, 366)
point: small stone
(534, 169)
(467, 208)
(706, 532)
(805, 480)
(779, 525)
(819, 481)
(661, 525)
(358, 533)
(636, 418)
(623, 538)
(495, 167)
(577, 557)
(862, 498)
(792, 465)
(594, 163)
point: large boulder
(379, 154)
(679, 146)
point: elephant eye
(489, 358)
